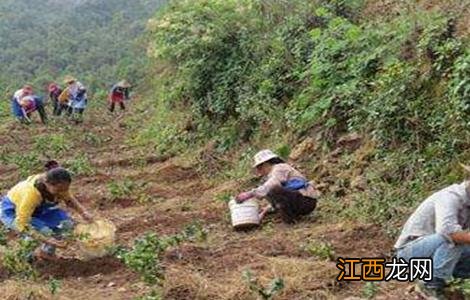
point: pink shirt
(279, 174)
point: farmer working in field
(438, 229)
(76, 95)
(24, 103)
(287, 190)
(54, 93)
(31, 207)
(118, 94)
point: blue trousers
(47, 219)
(449, 260)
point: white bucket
(245, 214)
(99, 237)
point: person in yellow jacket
(64, 101)
(31, 207)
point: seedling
(17, 259)
(54, 285)
(121, 189)
(322, 250)
(265, 293)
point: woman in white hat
(78, 99)
(287, 190)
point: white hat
(264, 156)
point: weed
(144, 257)
(266, 293)
(195, 232)
(52, 144)
(369, 290)
(54, 285)
(224, 197)
(322, 250)
(283, 151)
(16, 259)
(92, 139)
(81, 165)
(121, 189)
(26, 163)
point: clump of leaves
(26, 163)
(194, 232)
(81, 165)
(320, 249)
(460, 285)
(283, 151)
(17, 259)
(224, 197)
(92, 139)
(266, 293)
(54, 285)
(52, 144)
(121, 189)
(144, 257)
(369, 290)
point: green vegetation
(97, 41)
(265, 293)
(27, 163)
(80, 165)
(17, 259)
(369, 290)
(121, 189)
(322, 250)
(145, 255)
(52, 145)
(54, 285)
(272, 72)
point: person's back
(423, 220)
(437, 230)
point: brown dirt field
(198, 270)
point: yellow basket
(95, 239)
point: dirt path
(176, 196)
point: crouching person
(32, 208)
(438, 229)
(287, 190)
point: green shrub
(144, 257)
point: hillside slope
(368, 98)
(168, 195)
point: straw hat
(123, 84)
(264, 156)
(69, 79)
